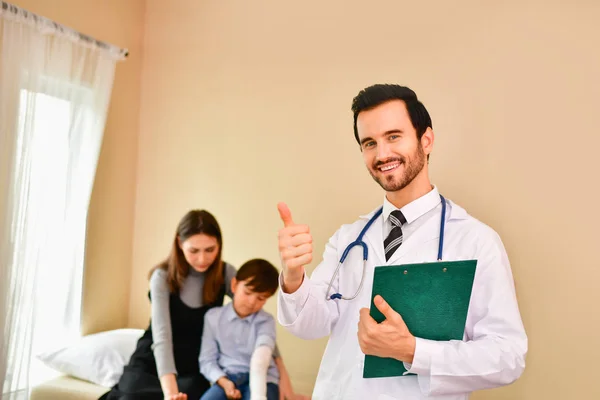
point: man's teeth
(389, 167)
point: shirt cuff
(425, 350)
(214, 374)
(291, 304)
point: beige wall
(110, 226)
(245, 104)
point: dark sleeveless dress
(140, 379)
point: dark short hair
(375, 95)
(261, 276)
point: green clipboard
(433, 299)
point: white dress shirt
(492, 352)
(416, 213)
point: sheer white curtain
(54, 93)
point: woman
(188, 283)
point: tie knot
(397, 218)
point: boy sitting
(239, 339)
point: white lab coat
(492, 353)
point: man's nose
(383, 151)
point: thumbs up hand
(295, 249)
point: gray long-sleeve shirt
(191, 295)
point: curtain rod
(11, 8)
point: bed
(67, 388)
(87, 368)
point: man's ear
(427, 141)
(234, 284)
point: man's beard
(412, 167)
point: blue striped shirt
(228, 342)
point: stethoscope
(360, 242)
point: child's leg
(272, 391)
(216, 392)
(241, 383)
(271, 394)
(245, 390)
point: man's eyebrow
(393, 131)
(365, 140)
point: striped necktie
(394, 239)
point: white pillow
(98, 358)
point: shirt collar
(414, 209)
(231, 315)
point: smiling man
(395, 134)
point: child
(239, 338)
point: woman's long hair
(193, 223)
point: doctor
(395, 135)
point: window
(48, 255)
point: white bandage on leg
(259, 364)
